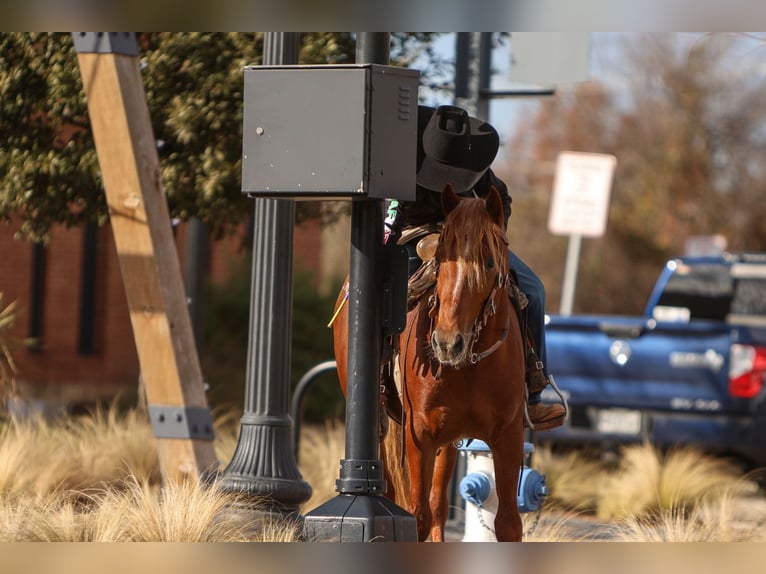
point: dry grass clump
(96, 478)
(40, 457)
(16, 444)
(321, 450)
(648, 482)
(8, 316)
(140, 512)
(716, 520)
(547, 527)
(645, 482)
(104, 447)
(226, 425)
(574, 480)
(187, 512)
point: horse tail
(397, 471)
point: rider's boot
(542, 416)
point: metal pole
(299, 393)
(360, 512)
(365, 298)
(570, 274)
(195, 269)
(485, 71)
(467, 48)
(263, 464)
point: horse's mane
(463, 233)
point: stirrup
(527, 421)
(564, 403)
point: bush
(223, 353)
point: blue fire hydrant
(478, 490)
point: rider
(458, 149)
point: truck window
(749, 297)
(706, 290)
(749, 289)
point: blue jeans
(533, 288)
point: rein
(503, 282)
(480, 323)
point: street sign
(581, 194)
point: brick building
(73, 304)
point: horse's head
(472, 259)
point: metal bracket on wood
(105, 43)
(181, 422)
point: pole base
(359, 518)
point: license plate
(618, 421)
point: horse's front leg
(420, 460)
(507, 455)
(444, 466)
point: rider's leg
(543, 416)
(533, 288)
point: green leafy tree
(48, 167)
(193, 82)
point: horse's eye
(490, 263)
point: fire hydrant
(478, 490)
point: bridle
(504, 283)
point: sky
(504, 111)
(605, 64)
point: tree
(193, 83)
(689, 138)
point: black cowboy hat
(453, 147)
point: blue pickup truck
(690, 371)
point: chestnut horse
(461, 359)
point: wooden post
(151, 272)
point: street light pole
(263, 464)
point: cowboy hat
(453, 147)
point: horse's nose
(457, 346)
(449, 348)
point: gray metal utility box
(328, 132)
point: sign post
(579, 208)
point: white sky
(604, 65)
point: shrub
(223, 353)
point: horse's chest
(471, 396)
(445, 398)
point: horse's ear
(495, 206)
(449, 199)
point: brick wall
(57, 371)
